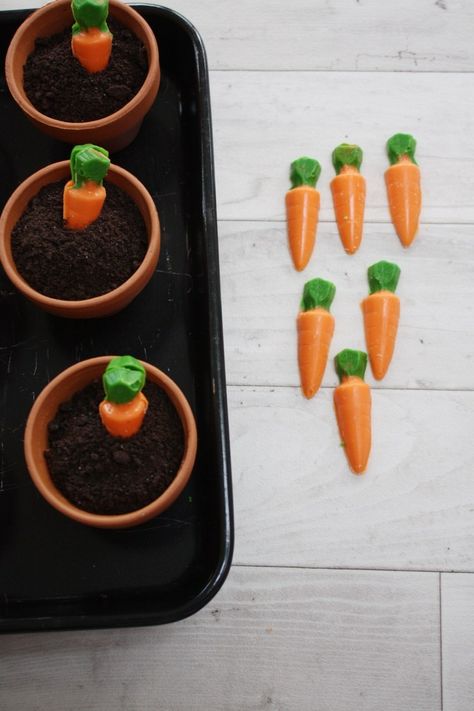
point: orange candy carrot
(124, 408)
(92, 48)
(315, 329)
(348, 194)
(84, 195)
(91, 41)
(403, 187)
(381, 312)
(302, 210)
(123, 420)
(353, 404)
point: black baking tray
(58, 574)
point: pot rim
(26, 105)
(158, 505)
(22, 285)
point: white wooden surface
(272, 639)
(458, 641)
(291, 78)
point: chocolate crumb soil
(109, 475)
(59, 86)
(78, 264)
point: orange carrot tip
(302, 209)
(403, 183)
(315, 329)
(84, 195)
(348, 195)
(91, 41)
(124, 407)
(352, 403)
(381, 311)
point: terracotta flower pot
(61, 389)
(112, 132)
(105, 304)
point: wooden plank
(296, 503)
(271, 639)
(457, 614)
(335, 34)
(264, 120)
(329, 34)
(261, 295)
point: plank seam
(441, 644)
(250, 386)
(355, 569)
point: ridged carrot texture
(84, 195)
(352, 402)
(91, 41)
(381, 310)
(348, 194)
(302, 210)
(403, 187)
(315, 329)
(124, 408)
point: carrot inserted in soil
(353, 404)
(124, 408)
(403, 187)
(84, 195)
(348, 194)
(302, 210)
(381, 310)
(91, 41)
(315, 329)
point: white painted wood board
(457, 614)
(375, 35)
(271, 639)
(425, 35)
(296, 502)
(262, 292)
(264, 120)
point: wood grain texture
(457, 612)
(262, 291)
(335, 34)
(426, 35)
(264, 120)
(271, 639)
(296, 503)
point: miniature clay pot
(103, 305)
(60, 390)
(112, 132)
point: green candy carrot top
(383, 276)
(381, 311)
(347, 155)
(84, 195)
(350, 364)
(302, 209)
(124, 407)
(348, 195)
(401, 146)
(304, 171)
(402, 180)
(91, 42)
(318, 293)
